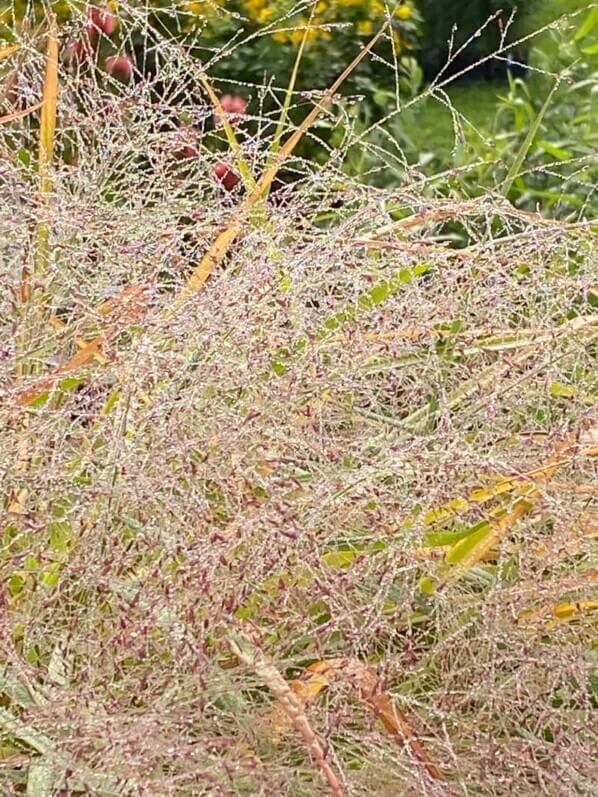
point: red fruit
(185, 152)
(238, 105)
(102, 19)
(233, 103)
(119, 66)
(74, 52)
(91, 35)
(234, 106)
(186, 145)
(228, 178)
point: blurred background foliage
(459, 132)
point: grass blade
(16, 728)
(41, 779)
(466, 553)
(418, 420)
(527, 142)
(291, 88)
(10, 117)
(240, 162)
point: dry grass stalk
(6, 52)
(289, 703)
(10, 117)
(227, 237)
(47, 133)
(319, 675)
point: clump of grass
(272, 442)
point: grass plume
(297, 503)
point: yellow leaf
(471, 550)
(446, 511)
(6, 52)
(553, 616)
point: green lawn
(477, 101)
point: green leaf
(24, 156)
(16, 584)
(559, 389)
(440, 539)
(31, 564)
(528, 141)
(427, 585)
(421, 268)
(465, 546)
(340, 558)
(51, 576)
(556, 152)
(285, 284)
(70, 383)
(380, 292)
(279, 368)
(587, 25)
(111, 402)
(364, 301)
(40, 400)
(59, 534)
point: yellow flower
(365, 27)
(264, 15)
(260, 10)
(202, 6)
(296, 36)
(404, 12)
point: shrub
(260, 37)
(561, 173)
(558, 174)
(275, 30)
